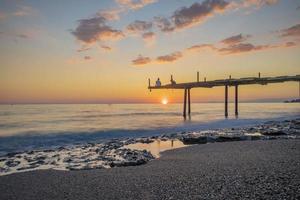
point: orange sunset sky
(104, 51)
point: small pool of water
(157, 146)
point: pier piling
(236, 100)
(226, 100)
(184, 103)
(189, 102)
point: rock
(48, 150)
(3, 169)
(273, 132)
(38, 162)
(145, 140)
(12, 154)
(67, 159)
(61, 148)
(194, 140)
(12, 163)
(2, 159)
(27, 167)
(228, 138)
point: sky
(104, 51)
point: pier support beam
(226, 100)
(184, 103)
(236, 100)
(189, 101)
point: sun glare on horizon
(164, 101)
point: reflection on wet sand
(157, 146)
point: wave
(44, 140)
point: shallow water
(157, 146)
(24, 127)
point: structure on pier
(225, 83)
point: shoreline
(118, 153)
(265, 169)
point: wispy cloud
(139, 26)
(30, 34)
(135, 4)
(141, 60)
(293, 31)
(106, 48)
(169, 58)
(87, 58)
(24, 11)
(19, 11)
(200, 47)
(259, 3)
(235, 39)
(243, 48)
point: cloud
(235, 39)
(259, 3)
(135, 4)
(79, 60)
(141, 60)
(189, 16)
(111, 14)
(164, 24)
(95, 29)
(139, 26)
(243, 48)
(293, 31)
(24, 11)
(200, 47)
(197, 12)
(290, 44)
(170, 57)
(106, 48)
(87, 57)
(149, 36)
(23, 35)
(83, 48)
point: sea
(45, 126)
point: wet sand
(232, 170)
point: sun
(164, 101)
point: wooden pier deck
(225, 83)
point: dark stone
(194, 140)
(48, 150)
(67, 159)
(255, 137)
(12, 163)
(2, 159)
(228, 138)
(38, 162)
(273, 132)
(12, 154)
(145, 140)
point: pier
(230, 82)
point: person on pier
(173, 82)
(158, 83)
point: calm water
(25, 127)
